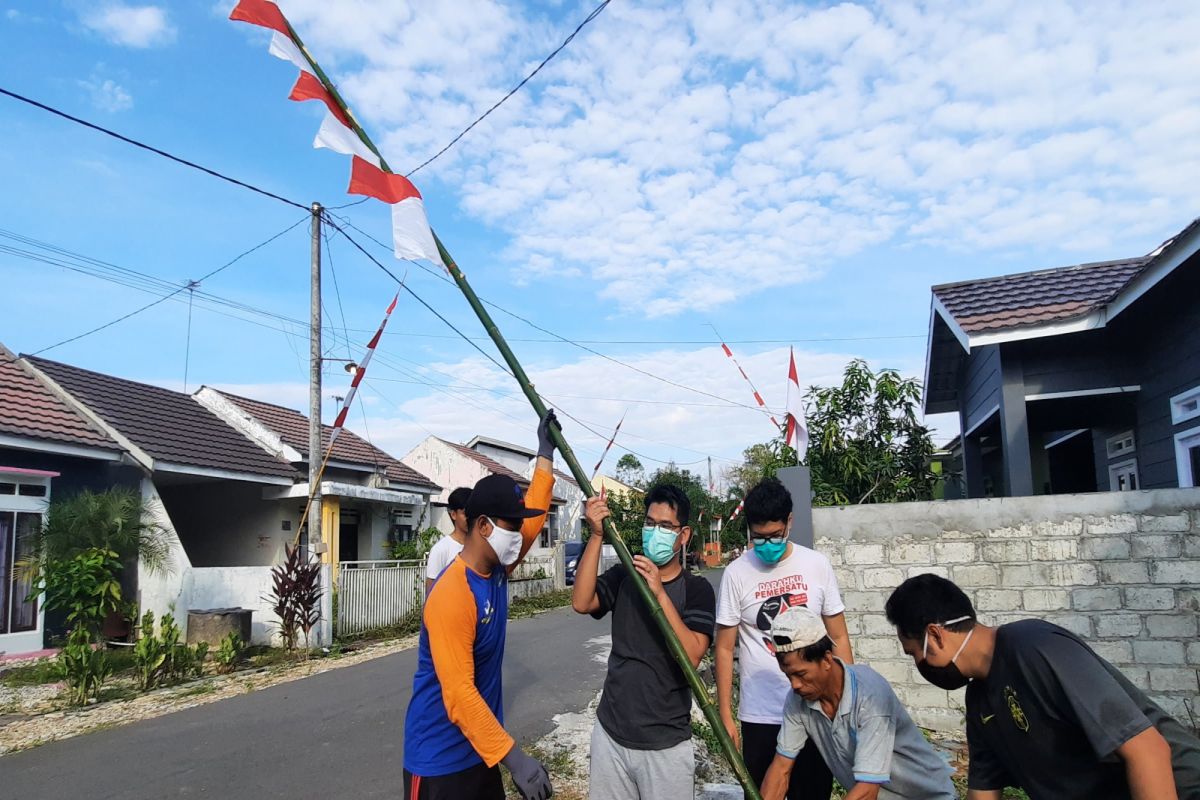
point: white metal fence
(378, 594)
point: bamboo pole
(699, 690)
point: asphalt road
(336, 734)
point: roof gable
(349, 448)
(30, 409)
(169, 426)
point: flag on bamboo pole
(608, 446)
(797, 432)
(359, 372)
(339, 132)
(757, 397)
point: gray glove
(545, 443)
(531, 778)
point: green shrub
(83, 667)
(229, 652)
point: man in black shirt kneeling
(1044, 712)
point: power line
(595, 13)
(185, 287)
(150, 148)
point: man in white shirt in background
(447, 547)
(773, 574)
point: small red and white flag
(607, 447)
(797, 433)
(411, 235)
(361, 371)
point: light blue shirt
(871, 739)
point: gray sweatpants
(620, 773)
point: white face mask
(505, 544)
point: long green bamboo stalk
(699, 690)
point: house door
(17, 613)
(348, 536)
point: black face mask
(947, 677)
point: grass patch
(205, 687)
(529, 606)
(406, 627)
(31, 674)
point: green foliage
(84, 585)
(229, 652)
(630, 471)
(82, 666)
(296, 596)
(35, 674)
(113, 520)
(415, 548)
(529, 606)
(866, 443)
(164, 658)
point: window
(1185, 406)
(1123, 477)
(1121, 445)
(17, 531)
(1187, 457)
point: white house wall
(446, 467)
(159, 591)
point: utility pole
(314, 387)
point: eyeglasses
(778, 537)
(666, 526)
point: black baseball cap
(499, 497)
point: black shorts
(811, 779)
(479, 782)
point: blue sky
(791, 172)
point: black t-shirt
(1051, 714)
(647, 703)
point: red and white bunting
(340, 422)
(737, 511)
(412, 237)
(608, 447)
(797, 432)
(757, 397)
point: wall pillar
(1014, 427)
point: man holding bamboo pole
(454, 737)
(642, 739)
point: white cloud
(107, 95)
(130, 26)
(686, 158)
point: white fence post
(378, 594)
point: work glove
(545, 443)
(530, 777)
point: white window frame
(1184, 441)
(1112, 441)
(1115, 470)
(24, 641)
(1179, 414)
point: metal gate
(378, 594)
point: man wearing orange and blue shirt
(454, 737)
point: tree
(866, 443)
(630, 471)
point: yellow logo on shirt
(1014, 708)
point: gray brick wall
(1122, 570)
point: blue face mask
(658, 544)
(770, 552)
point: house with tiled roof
(453, 465)
(226, 479)
(370, 498)
(47, 448)
(1073, 379)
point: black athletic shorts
(479, 782)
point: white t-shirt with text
(752, 593)
(440, 556)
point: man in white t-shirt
(447, 547)
(772, 575)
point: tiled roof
(30, 409)
(169, 426)
(292, 427)
(1032, 298)
(493, 466)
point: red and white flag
(797, 433)
(411, 234)
(340, 422)
(607, 447)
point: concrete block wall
(1121, 570)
